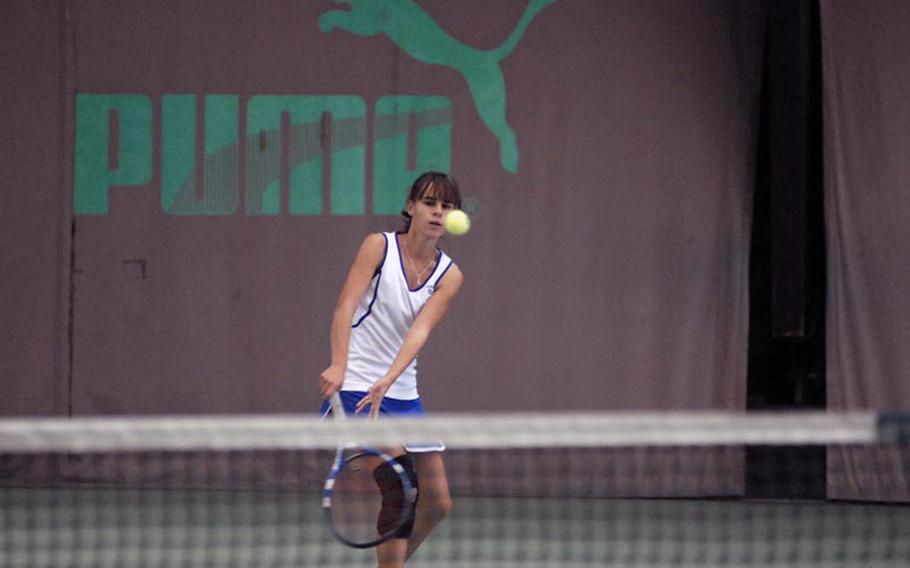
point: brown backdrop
(609, 272)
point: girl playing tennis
(397, 290)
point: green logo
(289, 138)
(312, 128)
(418, 35)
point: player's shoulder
(373, 247)
(374, 242)
(375, 239)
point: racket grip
(337, 406)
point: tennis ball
(458, 222)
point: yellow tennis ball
(458, 222)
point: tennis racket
(368, 496)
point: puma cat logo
(412, 29)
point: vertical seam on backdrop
(67, 221)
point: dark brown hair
(443, 186)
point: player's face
(428, 214)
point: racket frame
(356, 451)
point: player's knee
(445, 505)
(439, 506)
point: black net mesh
(680, 504)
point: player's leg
(434, 500)
(392, 553)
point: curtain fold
(866, 78)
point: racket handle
(337, 406)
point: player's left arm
(429, 317)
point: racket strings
(372, 499)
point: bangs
(443, 190)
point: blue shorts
(390, 407)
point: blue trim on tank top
(378, 276)
(451, 262)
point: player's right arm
(361, 273)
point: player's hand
(330, 380)
(374, 397)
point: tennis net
(570, 489)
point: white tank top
(383, 318)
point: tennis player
(398, 289)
